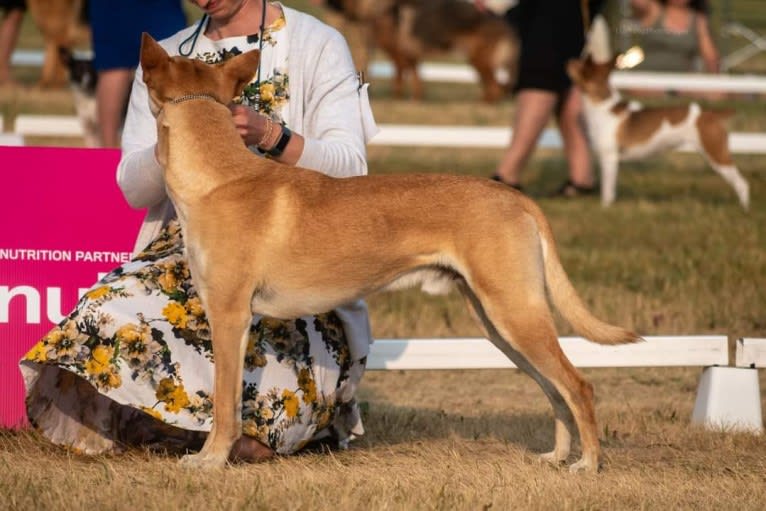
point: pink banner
(64, 221)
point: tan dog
(240, 216)
(61, 23)
(621, 130)
(411, 30)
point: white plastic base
(729, 398)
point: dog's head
(591, 77)
(168, 78)
(82, 74)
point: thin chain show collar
(189, 97)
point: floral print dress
(133, 363)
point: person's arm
(139, 174)
(708, 50)
(331, 136)
(336, 108)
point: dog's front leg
(609, 164)
(229, 314)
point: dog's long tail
(565, 297)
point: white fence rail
(740, 84)
(478, 353)
(393, 135)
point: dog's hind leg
(564, 421)
(518, 318)
(714, 146)
(530, 338)
(566, 390)
(229, 315)
(492, 91)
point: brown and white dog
(62, 23)
(621, 130)
(410, 30)
(241, 214)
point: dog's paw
(203, 461)
(552, 458)
(584, 466)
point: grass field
(674, 255)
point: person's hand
(251, 126)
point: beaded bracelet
(267, 135)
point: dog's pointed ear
(153, 57)
(242, 68)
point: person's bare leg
(571, 125)
(533, 110)
(10, 26)
(111, 95)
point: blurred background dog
(409, 31)
(63, 24)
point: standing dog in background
(410, 30)
(62, 24)
(622, 130)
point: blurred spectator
(10, 25)
(117, 28)
(675, 35)
(551, 33)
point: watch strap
(281, 144)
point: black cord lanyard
(192, 38)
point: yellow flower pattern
(173, 395)
(291, 403)
(112, 351)
(175, 313)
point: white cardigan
(327, 107)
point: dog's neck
(199, 146)
(603, 104)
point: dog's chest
(602, 128)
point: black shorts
(7, 5)
(551, 32)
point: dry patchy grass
(435, 440)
